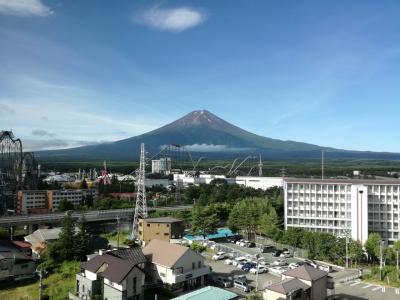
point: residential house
(40, 238)
(164, 229)
(304, 282)
(15, 266)
(116, 275)
(176, 266)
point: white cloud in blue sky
(24, 8)
(325, 72)
(170, 19)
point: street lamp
(381, 258)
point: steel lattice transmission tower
(141, 204)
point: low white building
(259, 182)
(178, 267)
(190, 179)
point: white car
(286, 254)
(238, 260)
(277, 269)
(325, 268)
(243, 243)
(279, 263)
(238, 242)
(293, 265)
(261, 269)
(228, 261)
(219, 256)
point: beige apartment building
(163, 229)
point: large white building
(341, 207)
(259, 182)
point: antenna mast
(141, 205)
(322, 164)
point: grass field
(56, 285)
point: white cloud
(172, 19)
(24, 8)
(210, 148)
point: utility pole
(381, 259)
(41, 273)
(257, 256)
(118, 232)
(347, 250)
(260, 165)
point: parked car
(243, 243)
(277, 269)
(286, 254)
(239, 241)
(238, 260)
(261, 269)
(233, 239)
(240, 277)
(241, 264)
(311, 263)
(219, 256)
(247, 266)
(262, 261)
(250, 245)
(325, 268)
(266, 249)
(223, 282)
(277, 253)
(228, 261)
(279, 262)
(241, 285)
(293, 265)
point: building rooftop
(208, 293)
(21, 244)
(306, 272)
(111, 267)
(343, 181)
(43, 235)
(134, 255)
(163, 220)
(288, 285)
(163, 253)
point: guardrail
(98, 215)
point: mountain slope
(202, 133)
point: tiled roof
(116, 269)
(134, 255)
(21, 244)
(306, 272)
(288, 285)
(163, 253)
(163, 220)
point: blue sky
(80, 72)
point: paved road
(358, 290)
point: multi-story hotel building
(344, 207)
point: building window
(148, 225)
(199, 264)
(134, 285)
(193, 266)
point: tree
(81, 245)
(355, 252)
(65, 205)
(83, 185)
(396, 248)
(204, 220)
(372, 246)
(66, 240)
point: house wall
(271, 295)
(160, 231)
(128, 282)
(86, 286)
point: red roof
(21, 244)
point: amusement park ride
(18, 170)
